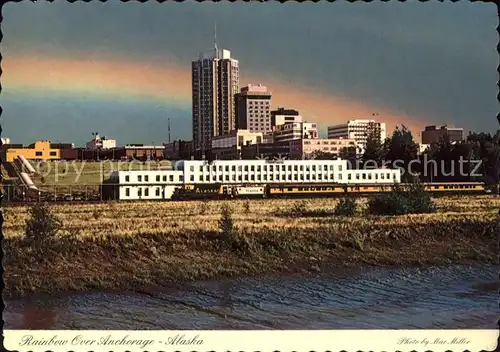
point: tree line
(475, 159)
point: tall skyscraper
(215, 83)
(253, 109)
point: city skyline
(78, 77)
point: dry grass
(129, 245)
(177, 217)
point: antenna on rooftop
(169, 130)
(215, 36)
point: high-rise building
(253, 109)
(215, 82)
(433, 134)
(358, 130)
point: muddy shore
(132, 262)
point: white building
(281, 116)
(5, 140)
(99, 142)
(146, 184)
(161, 184)
(358, 130)
(292, 171)
(295, 130)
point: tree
(400, 150)
(448, 160)
(486, 147)
(374, 151)
(42, 223)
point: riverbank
(127, 246)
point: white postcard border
(254, 340)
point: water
(449, 298)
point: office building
(306, 148)
(99, 142)
(229, 146)
(282, 116)
(358, 130)
(178, 150)
(253, 109)
(433, 134)
(215, 82)
(140, 184)
(266, 150)
(295, 130)
(40, 150)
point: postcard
(250, 176)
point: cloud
(418, 61)
(167, 85)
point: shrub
(226, 222)
(246, 206)
(299, 209)
(419, 200)
(42, 223)
(358, 242)
(393, 203)
(346, 207)
(96, 214)
(203, 207)
(230, 237)
(414, 200)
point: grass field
(177, 217)
(131, 245)
(79, 174)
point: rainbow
(170, 84)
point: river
(387, 298)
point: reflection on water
(452, 297)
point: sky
(123, 69)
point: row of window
(259, 125)
(270, 177)
(265, 168)
(255, 118)
(41, 153)
(329, 142)
(157, 191)
(458, 187)
(278, 177)
(368, 176)
(322, 148)
(291, 189)
(261, 178)
(158, 178)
